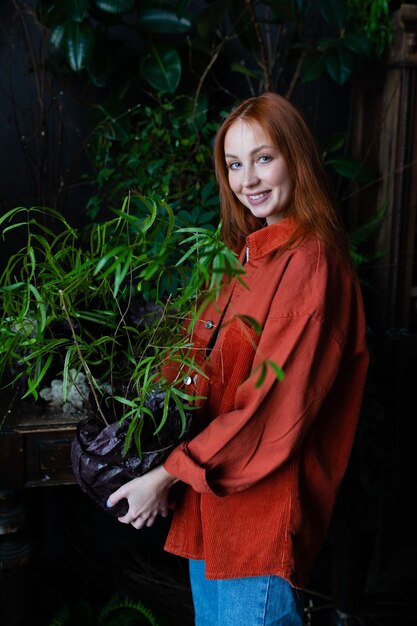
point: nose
(250, 177)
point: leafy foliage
(372, 16)
(346, 41)
(117, 611)
(178, 47)
(363, 234)
(186, 63)
(111, 301)
(163, 152)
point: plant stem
(80, 355)
(263, 61)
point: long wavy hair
(313, 205)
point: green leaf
(339, 64)
(143, 203)
(327, 42)
(262, 375)
(251, 321)
(334, 12)
(77, 42)
(358, 43)
(211, 17)
(103, 60)
(121, 272)
(130, 403)
(334, 142)
(279, 372)
(115, 6)
(41, 306)
(65, 371)
(181, 409)
(107, 257)
(242, 69)
(99, 71)
(364, 232)
(137, 437)
(12, 213)
(352, 169)
(57, 34)
(12, 287)
(313, 66)
(51, 12)
(124, 609)
(164, 416)
(33, 383)
(301, 5)
(76, 9)
(161, 68)
(158, 20)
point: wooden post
(385, 135)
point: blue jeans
(252, 601)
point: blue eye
(265, 159)
(234, 166)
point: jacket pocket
(234, 359)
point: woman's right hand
(147, 496)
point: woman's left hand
(147, 496)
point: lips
(258, 198)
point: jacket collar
(268, 239)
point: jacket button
(188, 380)
(209, 324)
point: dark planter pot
(97, 453)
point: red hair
(313, 205)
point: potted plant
(89, 316)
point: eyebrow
(254, 151)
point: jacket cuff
(182, 466)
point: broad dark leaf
(335, 141)
(76, 9)
(313, 67)
(358, 43)
(211, 17)
(352, 169)
(78, 43)
(334, 12)
(339, 64)
(51, 13)
(158, 20)
(161, 68)
(115, 6)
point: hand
(147, 496)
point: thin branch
(80, 355)
(206, 71)
(295, 77)
(262, 49)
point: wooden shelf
(35, 447)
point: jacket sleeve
(270, 422)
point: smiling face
(258, 174)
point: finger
(115, 497)
(164, 513)
(138, 523)
(151, 520)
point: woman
(262, 474)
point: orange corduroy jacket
(263, 473)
